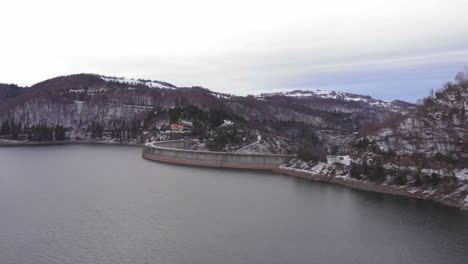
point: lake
(105, 204)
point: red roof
(177, 125)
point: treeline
(128, 131)
(119, 129)
(40, 132)
(45, 133)
(10, 128)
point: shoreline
(368, 186)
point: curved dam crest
(176, 151)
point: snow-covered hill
(394, 105)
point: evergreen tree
(5, 129)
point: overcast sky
(397, 49)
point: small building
(177, 127)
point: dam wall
(175, 151)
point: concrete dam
(176, 151)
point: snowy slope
(342, 96)
(148, 83)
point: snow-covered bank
(337, 170)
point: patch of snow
(385, 132)
(318, 168)
(187, 123)
(76, 91)
(462, 174)
(150, 84)
(345, 176)
(297, 94)
(227, 123)
(221, 95)
(314, 170)
(383, 146)
(355, 99)
(345, 160)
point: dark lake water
(105, 204)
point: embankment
(175, 151)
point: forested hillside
(90, 106)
